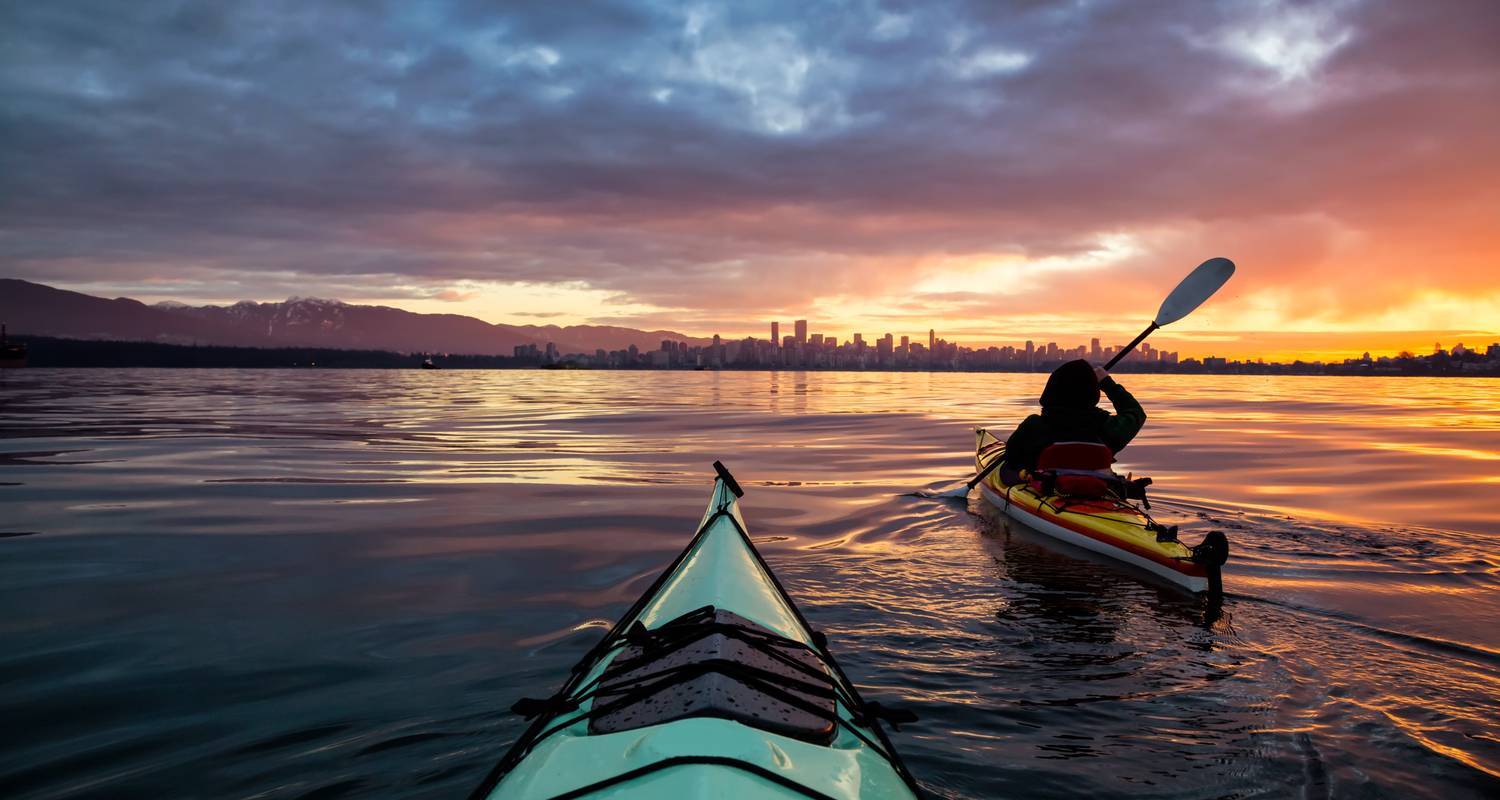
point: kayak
(711, 686)
(1112, 526)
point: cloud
(715, 164)
(454, 295)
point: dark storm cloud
(650, 148)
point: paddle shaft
(1125, 351)
(988, 468)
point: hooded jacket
(1070, 413)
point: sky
(998, 171)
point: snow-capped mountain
(32, 308)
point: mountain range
(40, 310)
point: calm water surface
(320, 584)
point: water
(319, 584)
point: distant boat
(427, 364)
(11, 355)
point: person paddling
(1071, 413)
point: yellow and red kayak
(1110, 526)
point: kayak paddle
(1197, 287)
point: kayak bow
(1110, 526)
(711, 686)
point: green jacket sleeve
(1128, 418)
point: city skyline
(1352, 345)
(818, 350)
(822, 352)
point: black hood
(1072, 385)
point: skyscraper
(801, 327)
(1094, 351)
(931, 339)
(775, 333)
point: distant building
(1493, 351)
(1094, 350)
(775, 333)
(931, 339)
(801, 329)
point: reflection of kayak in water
(711, 686)
(1109, 525)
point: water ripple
(287, 584)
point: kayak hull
(710, 754)
(1191, 580)
(1112, 528)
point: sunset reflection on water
(316, 567)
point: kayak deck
(711, 686)
(1109, 526)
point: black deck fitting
(734, 485)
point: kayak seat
(1076, 455)
(1079, 469)
(715, 663)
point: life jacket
(1079, 469)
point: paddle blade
(1194, 289)
(957, 491)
